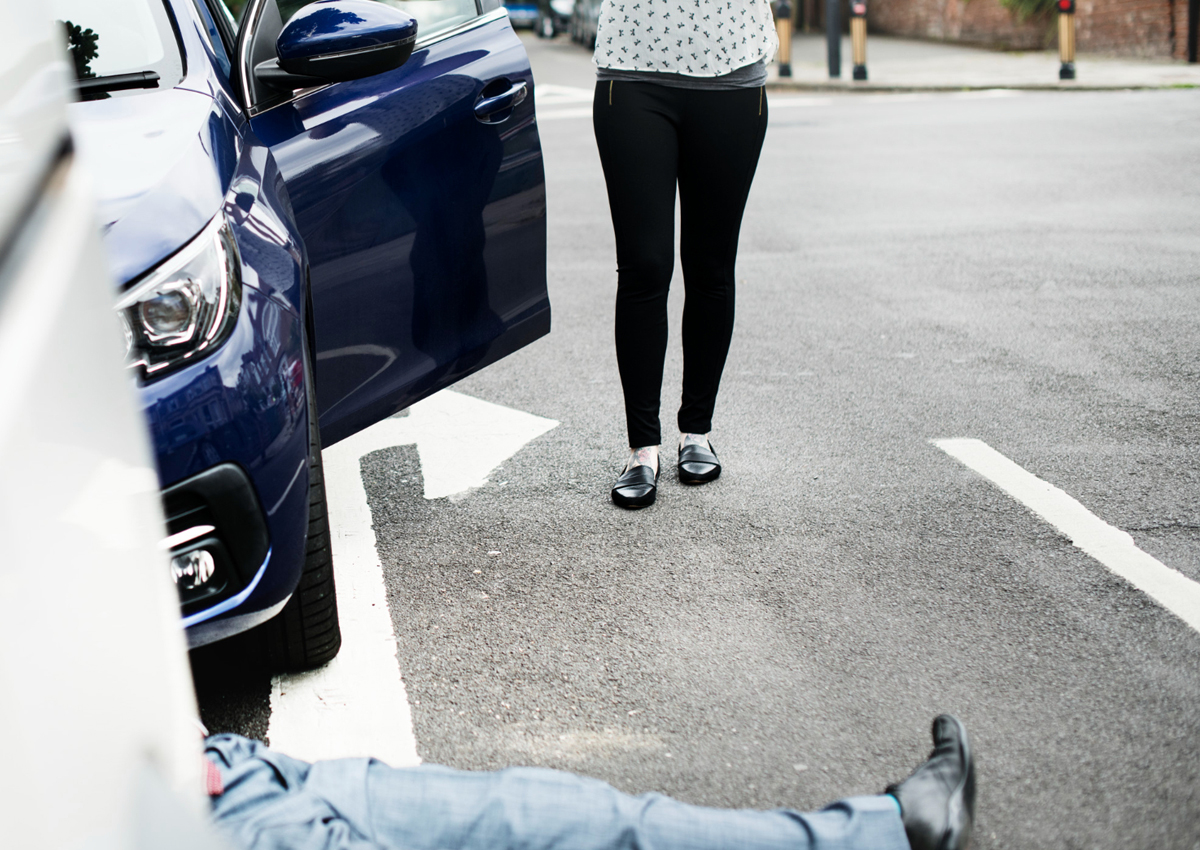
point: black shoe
(937, 801)
(636, 488)
(698, 464)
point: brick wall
(1151, 28)
(1179, 29)
(974, 21)
(1137, 27)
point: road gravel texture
(1017, 269)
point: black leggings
(650, 137)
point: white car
(96, 699)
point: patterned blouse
(699, 38)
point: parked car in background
(316, 215)
(585, 19)
(554, 16)
(522, 13)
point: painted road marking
(356, 705)
(787, 101)
(1110, 546)
(553, 115)
(551, 97)
(548, 94)
(586, 111)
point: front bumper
(231, 436)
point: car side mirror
(332, 41)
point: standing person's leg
(721, 138)
(635, 126)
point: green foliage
(1026, 9)
(235, 7)
(84, 47)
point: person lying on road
(264, 800)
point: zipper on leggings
(761, 89)
(610, 85)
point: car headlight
(187, 306)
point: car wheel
(306, 633)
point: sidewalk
(899, 64)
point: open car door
(420, 195)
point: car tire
(306, 633)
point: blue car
(522, 13)
(317, 214)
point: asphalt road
(1021, 269)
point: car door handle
(489, 109)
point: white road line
(1110, 546)
(986, 94)
(548, 93)
(785, 101)
(553, 115)
(550, 103)
(357, 705)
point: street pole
(1066, 39)
(833, 37)
(858, 37)
(1193, 29)
(783, 24)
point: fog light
(192, 569)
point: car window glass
(233, 11)
(433, 16)
(214, 37)
(110, 37)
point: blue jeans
(273, 801)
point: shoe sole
(633, 504)
(693, 480)
(958, 795)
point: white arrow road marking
(461, 439)
(1110, 546)
(356, 705)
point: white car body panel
(96, 702)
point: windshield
(120, 46)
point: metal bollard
(783, 24)
(833, 37)
(858, 37)
(1066, 39)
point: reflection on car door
(423, 214)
